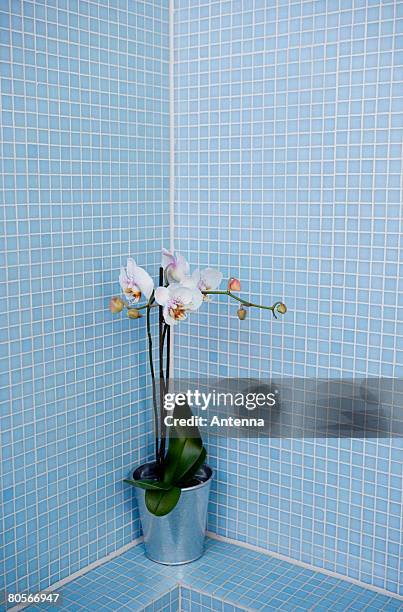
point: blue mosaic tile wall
(227, 578)
(288, 161)
(84, 182)
(169, 602)
(204, 602)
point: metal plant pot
(177, 537)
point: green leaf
(161, 502)
(192, 471)
(184, 450)
(148, 485)
(184, 431)
(182, 455)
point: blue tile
(84, 168)
(287, 172)
(233, 581)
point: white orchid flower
(176, 267)
(135, 281)
(177, 300)
(207, 280)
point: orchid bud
(116, 305)
(133, 313)
(234, 284)
(281, 308)
(241, 312)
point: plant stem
(151, 363)
(244, 302)
(150, 304)
(161, 336)
(168, 362)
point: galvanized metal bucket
(178, 537)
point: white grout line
(213, 536)
(81, 572)
(169, 592)
(183, 585)
(171, 85)
(313, 568)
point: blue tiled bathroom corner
(227, 579)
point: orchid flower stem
(148, 305)
(154, 393)
(166, 335)
(162, 383)
(168, 361)
(244, 302)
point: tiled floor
(227, 578)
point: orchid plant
(178, 294)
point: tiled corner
(196, 601)
(227, 578)
(169, 602)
